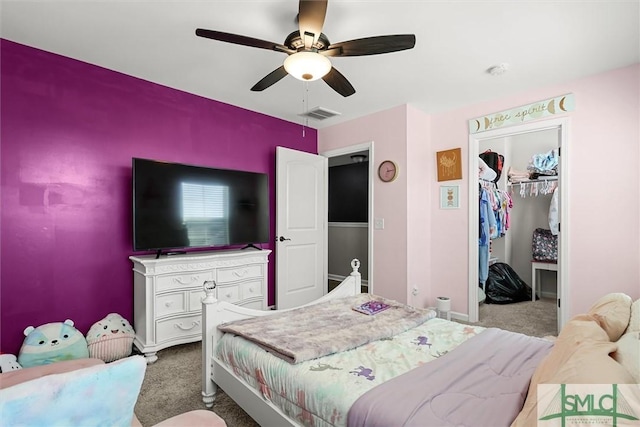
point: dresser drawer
(171, 303)
(176, 328)
(195, 300)
(251, 289)
(181, 281)
(229, 293)
(233, 274)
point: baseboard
(459, 316)
(549, 295)
(455, 315)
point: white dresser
(168, 291)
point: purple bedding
(483, 382)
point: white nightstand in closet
(536, 266)
(168, 292)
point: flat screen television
(178, 206)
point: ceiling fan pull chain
(306, 104)
(305, 107)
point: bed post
(209, 304)
(355, 265)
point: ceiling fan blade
(311, 14)
(339, 83)
(371, 45)
(273, 77)
(241, 40)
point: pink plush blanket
(321, 329)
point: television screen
(177, 206)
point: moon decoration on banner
(551, 107)
(561, 104)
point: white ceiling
(544, 42)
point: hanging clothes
(488, 225)
(494, 209)
(554, 222)
(501, 204)
(533, 188)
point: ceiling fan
(308, 49)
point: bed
(433, 372)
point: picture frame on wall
(449, 164)
(449, 197)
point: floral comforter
(319, 392)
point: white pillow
(628, 352)
(612, 312)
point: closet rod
(533, 181)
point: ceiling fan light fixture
(307, 66)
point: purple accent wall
(69, 131)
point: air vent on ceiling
(319, 113)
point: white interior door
(301, 219)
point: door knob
(282, 239)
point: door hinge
(558, 227)
(558, 302)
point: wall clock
(387, 171)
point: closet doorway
(531, 211)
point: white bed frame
(215, 373)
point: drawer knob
(228, 294)
(187, 328)
(250, 290)
(168, 304)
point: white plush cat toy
(8, 362)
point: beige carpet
(172, 384)
(535, 318)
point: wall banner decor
(449, 164)
(548, 107)
(449, 196)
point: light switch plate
(378, 224)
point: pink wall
(420, 204)
(388, 131)
(69, 131)
(604, 210)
